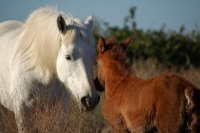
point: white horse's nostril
(85, 101)
(89, 103)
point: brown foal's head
(109, 50)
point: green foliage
(171, 49)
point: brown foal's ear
(126, 42)
(101, 45)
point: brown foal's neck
(116, 74)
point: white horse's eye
(68, 57)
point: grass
(54, 119)
(46, 118)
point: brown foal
(167, 102)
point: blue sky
(150, 14)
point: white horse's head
(75, 61)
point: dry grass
(46, 117)
(192, 75)
(150, 68)
(53, 119)
(7, 123)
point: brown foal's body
(167, 102)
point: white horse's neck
(44, 76)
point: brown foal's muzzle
(98, 85)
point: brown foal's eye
(67, 57)
(96, 62)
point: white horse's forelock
(40, 35)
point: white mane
(40, 41)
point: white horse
(49, 44)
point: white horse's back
(8, 26)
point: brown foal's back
(167, 102)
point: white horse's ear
(61, 24)
(89, 22)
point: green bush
(171, 49)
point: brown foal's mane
(118, 54)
